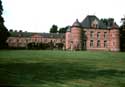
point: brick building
(90, 34)
(22, 39)
(93, 34)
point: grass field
(36, 68)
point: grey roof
(30, 34)
(53, 35)
(76, 24)
(22, 34)
(88, 20)
(115, 25)
(86, 23)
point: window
(105, 35)
(94, 24)
(98, 35)
(91, 34)
(91, 43)
(98, 43)
(84, 35)
(84, 44)
(105, 44)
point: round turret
(68, 38)
(76, 35)
(114, 39)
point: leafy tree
(108, 22)
(20, 31)
(63, 30)
(15, 31)
(122, 35)
(1, 7)
(54, 29)
(3, 30)
(11, 30)
(123, 21)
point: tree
(123, 21)
(63, 30)
(11, 30)
(4, 34)
(20, 30)
(54, 29)
(108, 22)
(122, 35)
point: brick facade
(93, 38)
(23, 40)
(90, 34)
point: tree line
(54, 29)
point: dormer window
(94, 24)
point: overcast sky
(40, 15)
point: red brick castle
(93, 34)
(90, 34)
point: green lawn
(36, 68)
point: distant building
(22, 39)
(91, 34)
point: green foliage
(122, 35)
(35, 68)
(63, 30)
(3, 31)
(59, 45)
(108, 22)
(54, 29)
(38, 46)
(1, 7)
(123, 21)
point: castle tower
(76, 36)
(68, 39)
(114, 38)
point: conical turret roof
(76, 24)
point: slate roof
(86, 23)
(53, 35)
(76, 24)
(22, 34)
(30, 34)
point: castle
(91, 34)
